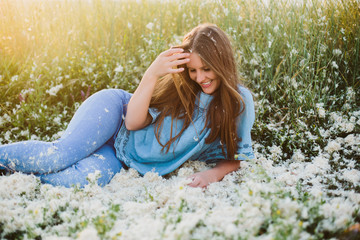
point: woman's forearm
(137, 115)
(216, 174)
(225, 167)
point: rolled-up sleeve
(245, 124)
(154, 114)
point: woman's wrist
(225, 167)
(149, 75)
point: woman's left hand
(203, 179)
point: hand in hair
(138, 115)
(167, 62)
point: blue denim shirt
(140, 149)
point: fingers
(194, 184)
(168, 62)
(176, 70)
(179, 56)
(172, 51)
(176, 54)
(177, 59)
(180, 61)
(197, 182)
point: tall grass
(300, 58)
(293, 55)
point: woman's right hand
(137, 115)
(167, 63)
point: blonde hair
(175, 94)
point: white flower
(58, 134)
(25, 92)
(24, 132)
(154, 208)
(311, 169)
(293, 52)
(347, 126)
(288, 207)
(254, 62)
(93, 177)
(321, 110)
(352, 175)
(276, 28)
(133, 209)
(14, 78)
(57, 120)
(316, 191)
(275, 150)
(337, 52)
(54, 90)
(350, 140)
(350, 94)
(294, 83)
(268, 20)
(150, 26)
(88, 70)
(256, 73)
(340, 210)
(321, 162)
(354, 197)
(21, 184)
(185, 172)
(334, 65)
(323, 48)
(88, 233)
(298, 156)
(335, 117)
(6, 117)
(119, 68)
(152, 177)
(288, 178)
(346, 106)
(332, 146)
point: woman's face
(202, 74)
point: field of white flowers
(293, 199)
(300, 59)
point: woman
(188, 106)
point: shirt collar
(203, 100)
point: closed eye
(204, 69)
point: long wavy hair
(175, 94)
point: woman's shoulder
(245, 92)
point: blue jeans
(85, 146)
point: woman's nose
(200, 76)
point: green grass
(293, 56)
(300, 60)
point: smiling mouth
(206, 84)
